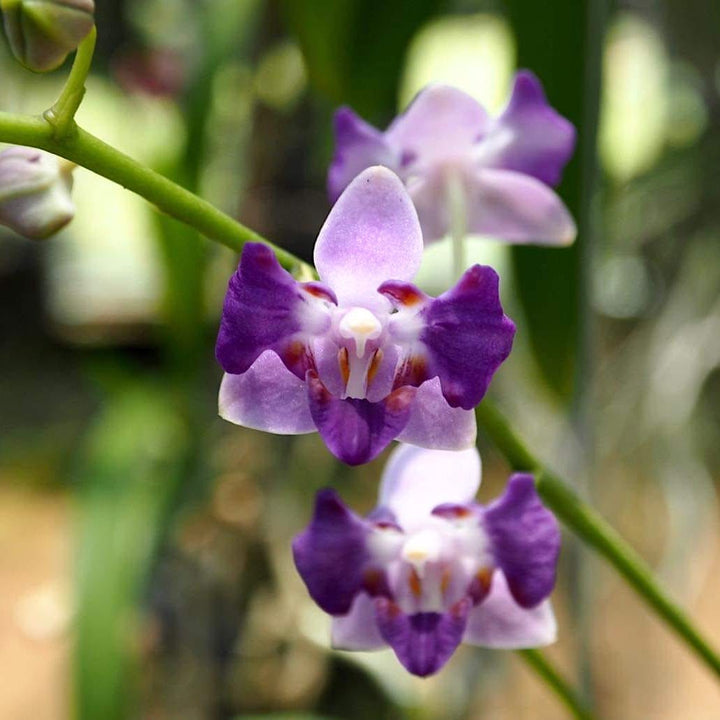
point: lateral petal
(358, 145)
(529, 136)
(499, 622)
(467, 337)
(517, 208)
(358, 629)
(330, 554)
(525, 540)
(267, 397)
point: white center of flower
(422, 547)
(360, 325)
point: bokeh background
(145, 569)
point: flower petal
(371, 234)
(441, 122)
(467, 337)
(429, 195)
(356, 431)
(267, 397)
(434, 424)
(517, 208)
(330, 554)
(525, 540)
(499, 622)
(358, 629)
(415, 481)
(358, 145)
(529, 136)
(423, 642)
(264, 308)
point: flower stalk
(62, 114)
(539, 664)
(90, 152)
(596, 532)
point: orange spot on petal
(344, 363)
(484, 577)
(374, 365)
(415, 583)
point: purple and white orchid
(504, 165)
(430, 568)
(364, 356)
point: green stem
(62, 114)
(542, 667)
(596, 532)
(92, 153)
(457, 207)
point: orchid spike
(430, 568)
(505, 164)
(364, 356)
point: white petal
(416, 480)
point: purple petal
(434, 424)
(525, 540)
(358, 629)
(429, 195)
(423, 642)
(517, 208)
(264, 308)
(415, 481)
(372, 234)
(358, 145)
(467, 337)
(441, 122)
(330, 554)
(267, 397)
(356, 431)
(499, 622)
(529, 136)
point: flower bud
(35, 192)
(43, 32)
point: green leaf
(128, 475)
(561, 42)
(355, 50)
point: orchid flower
(430, 568)
(504, 165)
(364, 356)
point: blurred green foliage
(355, 49)
(561, 42)
(128, 474)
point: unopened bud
(43, 32)
(35, 192)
